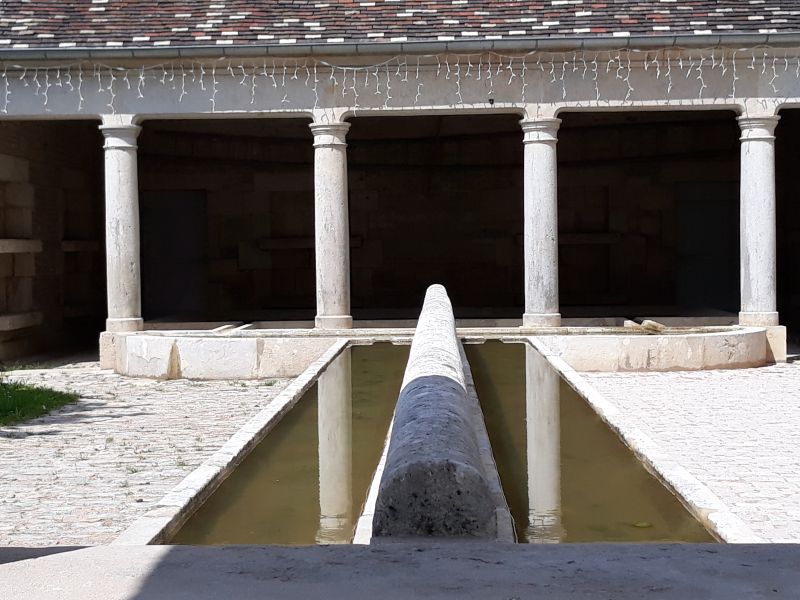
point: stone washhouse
(222, 189)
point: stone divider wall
(435, 482)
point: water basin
(567, 477)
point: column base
(333, 322)
(530, 320)
(125, 325)
(758, 319)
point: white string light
(461, 72)
(112, 95)
(80, 88)
(700, 78)
(253, 84)
(388, 95)
(45, 93)
(6, 89)
(183, 83)
(458, 83)
(214, 88)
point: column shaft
(331, 226)
(123, 274)
(541, 223)
(757, 222)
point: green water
(606, 495)
(273, 496)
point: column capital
(758, 128)
(329, 134)
(543, 130)
(120, 132)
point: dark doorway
(648, 207)
(174, 265)
(787, 153)
(227, 210)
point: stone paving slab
(736, 431)
(83, 473)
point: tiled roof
(154, 23)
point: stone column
(123, 278)
(331, 225)
(541, 224)
(757, 245)
(335, 426)
(543, 421)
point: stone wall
(648, 213)
(51, 222)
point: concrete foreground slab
(393, 571)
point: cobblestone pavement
(83, 473)
(736, 431)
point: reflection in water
(304, 480)
(334, 408)
(565, 473)
(542, 415)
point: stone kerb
(178, 355)
(434, 482)
(735, 348)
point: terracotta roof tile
(145, 23)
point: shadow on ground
(13, 554)
(401, 571)
(82, 411)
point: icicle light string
(6, 90)
(564, 70)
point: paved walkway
(82, 474)
(737, 431)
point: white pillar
(123, 273)
(331, 225)
(757, 221)
(541, 223)
(542, 413)
(334, 414)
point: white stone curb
(696, 496)
(363, 533)
(171, 512)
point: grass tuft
(22, 402)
